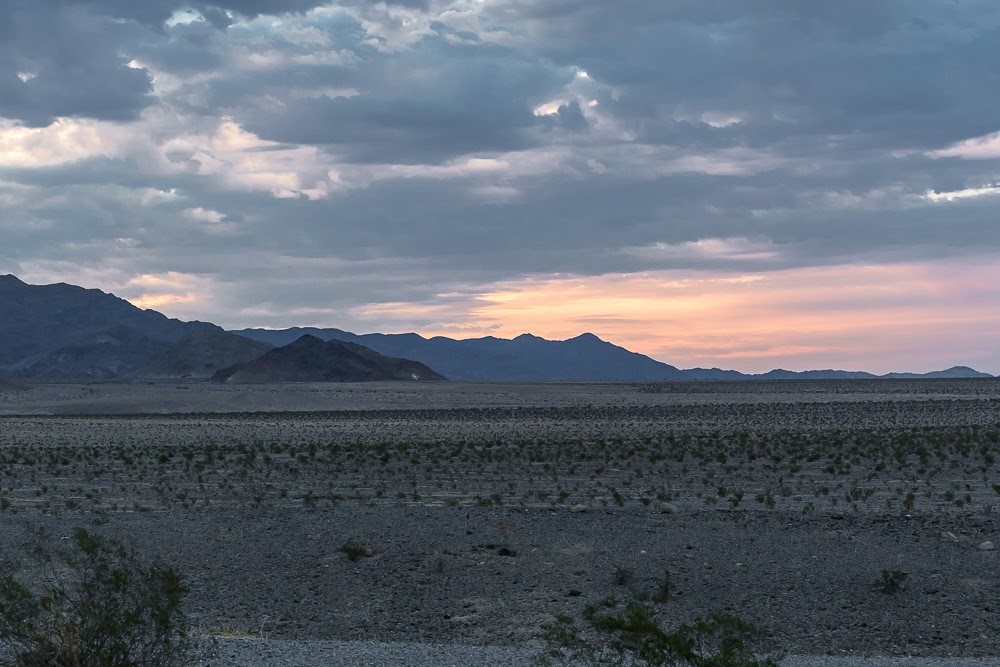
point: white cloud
(719, 249)
(65, 140)
(966, 193)
(184, 17)
(205, 215)
(986, 147)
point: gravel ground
(787, 505)
(492, 576)
(273, 653)
(269, 653)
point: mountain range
(533, 359)
(64, 331)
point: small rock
(578, 508)
(504, 551)
(947, 536)
(987, 546)
(668, 508)
(574, 593)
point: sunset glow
(878, 318)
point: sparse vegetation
(617, 633)
(829, 455)
(775, 453)
(93, 605)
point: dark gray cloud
(464, 102)
(385, 152)
(65, 60)
(885, 73)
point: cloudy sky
(740, 184)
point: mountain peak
(308, 339)
(311, 359)
(11, 279)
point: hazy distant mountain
(311, 359)
(202, 353)
(525, 358)
(63, 331)
(829, 374)
(953, 372)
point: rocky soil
(487, 512)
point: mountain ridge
(57, 331)
(445, 355)
(63, 331)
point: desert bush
(891, 581)
(95, 604)
(622, 576)
(616, 634)
(355, 550)
(664, 586)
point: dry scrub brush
(95, 604)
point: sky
(746, 185)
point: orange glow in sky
(878, 318)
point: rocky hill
(203, 353)
(311, 359)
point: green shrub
(616, 634)
(355, 550)
(891, 581)
(622, 576)
(92, 605)
(664, 586)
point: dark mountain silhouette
(530, 358)
(311, 359)
(64, 331)
(203, 353)
(525, 358)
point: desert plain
(481, 510)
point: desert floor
(489, 508)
